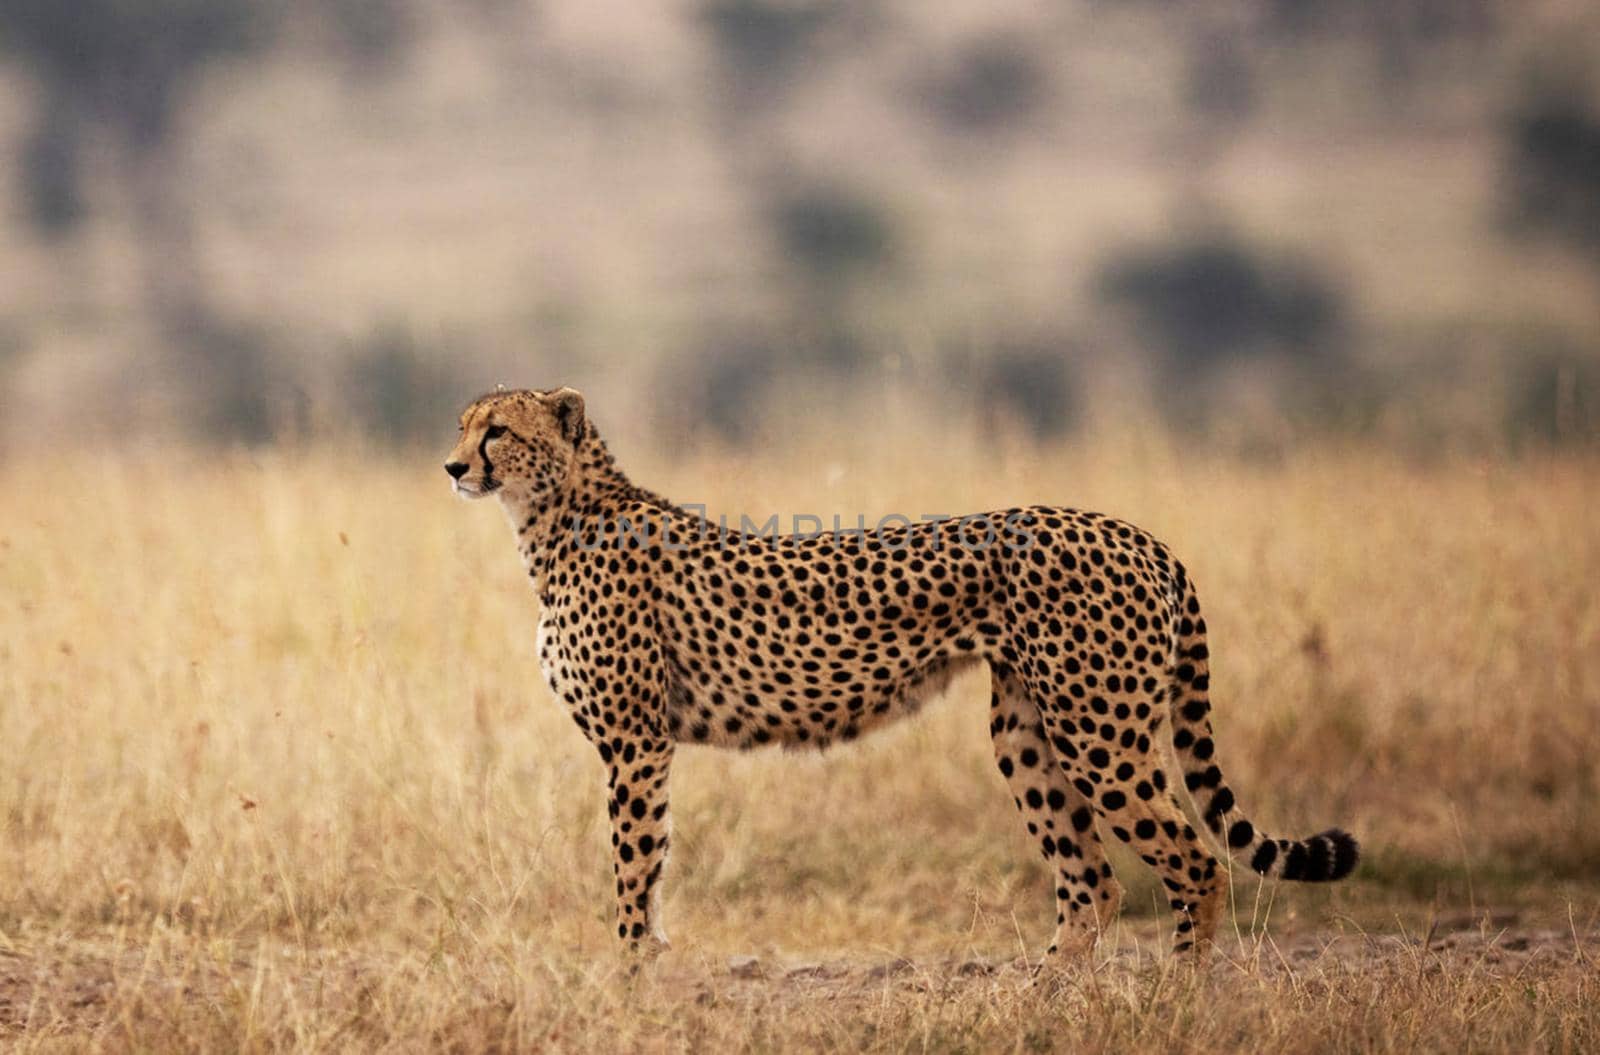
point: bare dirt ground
(1530, 986)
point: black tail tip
(1334, 855)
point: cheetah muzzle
(661, 635)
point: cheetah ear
(567, 406)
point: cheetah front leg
(640, 829)
(1088, 897)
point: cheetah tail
(1321, 858)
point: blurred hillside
(247, 220)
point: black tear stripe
(488, 466)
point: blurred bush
(372, 35)
(1402, 38)
(1219, 81)
(991, 85)
(397, 390)
(729, 385)
(1553, 164)
(1209, 304)
(835, 233)
(52, 167)
(1208, 299)
(1417, 23)
(763, 44)
(239, 389)
(10, 352)
(1033, 383)
(1553, 394)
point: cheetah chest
(547, 645)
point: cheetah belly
(722, 715)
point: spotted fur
(660, 635)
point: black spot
(1265, 855)
(1240, 835)
(1294, 866)
(1346, 853)
(1319, 860)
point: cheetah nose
(455, 469)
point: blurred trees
(838, 243)
(129, 70)
(126, 74)
(833, 240)
(835, 263)
(1551, 190)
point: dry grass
(280, 772)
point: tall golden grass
(279, 772)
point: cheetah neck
(597, 490)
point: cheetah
(654, 632)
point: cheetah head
(521, 441)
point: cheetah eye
(494, 432)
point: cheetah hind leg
(1088, 897)
(1136, 805)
